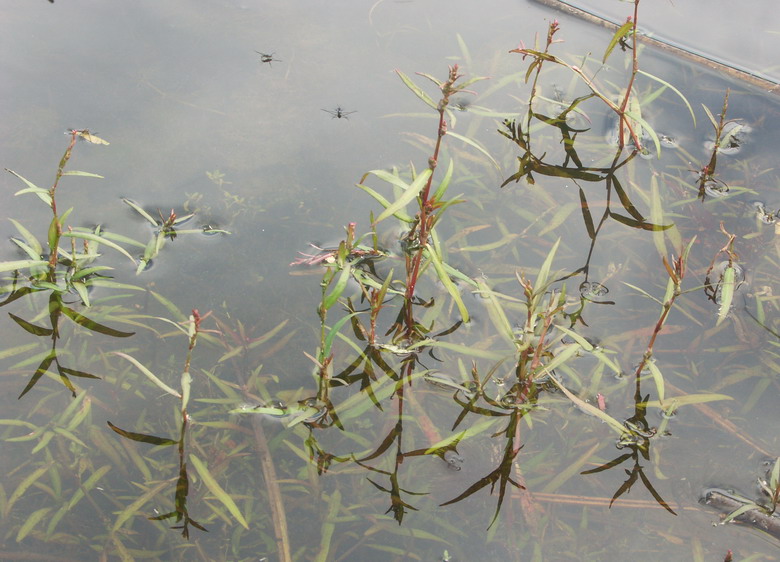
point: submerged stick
(726, 502)
(698, 58)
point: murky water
(260, 117)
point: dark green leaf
(143, 438)
(586, 217)
(82, 320)
(32, 328)
(42, 368)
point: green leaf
(622, 32)
(88, 485)
(31, 522)
(82, 174)
(20, 264)
(335, 330)
(43, 194)
(658, 378)
(540, 284)
(406, 197)
(43, 367)
(217, 490)
(414, 88)
(82, 320)
(186, 384)
(444, 277)
(470, 142)
(445, 182)
(687, 399)
(99, 240)
(31, 240)
(151, 376)
(676, 91)
(592, 410)
(142, 437)
(133, 508)
(31, 328)
(28, 481)
(726, 293)
(341, 283)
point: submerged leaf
(142, 437)
(217, 490)
(151, 376)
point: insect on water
(264, 57)
(339, 113)
(84, 134)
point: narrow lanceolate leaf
(24, 485)
(133, 508)
(138, 209)
(217, 490)
(687, 399)
(43, 194)
(82, 320)
(99, 240)
(407, 196)
(20, 264)
(658, 378)
(586, 216)
(31, 328)
(31, 522)
(142, 437)
(82, 174)
(341, 283)
(88, 485)
(28, 236)
(590, 409)
(444, 277)
(413, 87)
(544, 271)
(622, 32)
(726, 293)
(676, 91)
(384, 202)
(43, 367)
(470, 142)
(151, 376)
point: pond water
(260, 118)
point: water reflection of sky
(179, 90)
